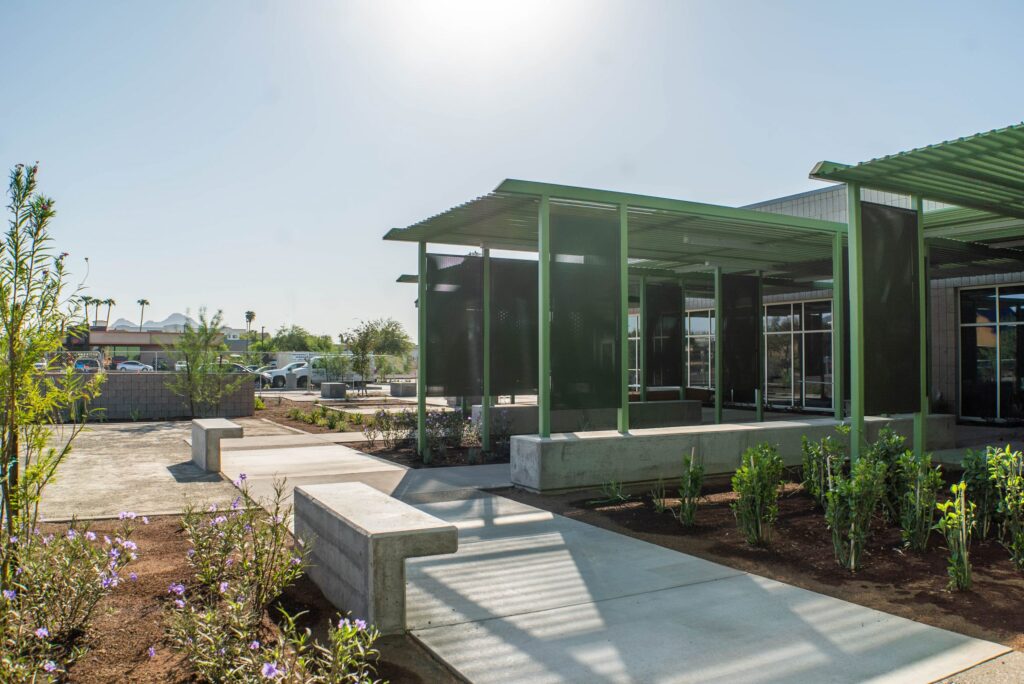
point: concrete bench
(333, 390)
(360, 539)
(206, 436)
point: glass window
(698, 323)
(779, 368)
(1011, 304)
(978, 306)
(818, 315)
(699, 350)
(978, 371)
(778, 318)
(1011, 361)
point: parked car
(180, 366)
(278, 377)
(88, 366)
(134, 366)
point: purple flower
(360, 624)
(236, 503)
(130, 545)
(49, 666)
(10, 594)
(191, 552)
(178, 603)
(133, 577)
(254, 646)
(126, 515)
(176, 588)
(151, 651)
(242, 477)
(296, 560)
(223, 587)
(145, 520)
(14, 539)
(90, 535)
(107, 582)
(343, 623)
(106, 540)
(42, 632)
(270, 671)
(71, 533)
(115, 553)
(212, 508)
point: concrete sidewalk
(533, 596)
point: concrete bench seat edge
(206, 436)
(359, 539)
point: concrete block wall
(145, 396)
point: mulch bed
(130, 620)
(408, 457)
(893, 580)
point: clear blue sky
(249, 155)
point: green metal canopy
(983, 172)
(669, 236)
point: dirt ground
(893, 580)
(130, 620)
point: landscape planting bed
(893, 580)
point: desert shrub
(611, 492)
(956, 524)
(389, 427)
(757, 483)
(501, 434)
(1006, 468)
(50, 599)
(241, 563)
(917, 507)
(887, 450)
(296, 414)
(820, 458)
(982, 487)
(370, 433)
(850, 503)
(258, 402)
(691, 483)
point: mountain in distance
(173, 323)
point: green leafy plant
(820, 458)
(757, 484)
(850, 503)
(917, 507)
(657, 495)
(956, 524)
(611, 492)
(691, 483)
(205, 381)
(984, 494)
(1006, 468)
(258, 403)
(887, 450)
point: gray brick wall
(145, 396)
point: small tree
(36, 312)
(202, 383)
(381, 337)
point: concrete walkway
(533, 596)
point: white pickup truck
(278, 376)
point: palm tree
(250, 316)
(86, 303)
(109, 303)
(142, 314)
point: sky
(249, 155)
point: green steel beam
(713, 211)
(683, 376)
(485, 400)
(642, 340)
(719, 389)
(544, 317)
(856, 275)
(421, 364)
(921, 417)
(624, 317)
(838, 327)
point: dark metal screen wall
(513, 326)
(663, 338)
(455, 322)
(586, 361)
(891, 309)
(741, 338)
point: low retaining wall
(590, 459)
(522, 419)
(144, 396)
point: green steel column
(856, 275)
(921, 417)
(421, 364)
(684, 374)
(642, 338)
(485, 400)
(759, 392)
(624, 316)
(544, 317)
(719, 389)
(838, 326)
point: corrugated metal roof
(983, 171)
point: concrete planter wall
(588, 460)
(145, 396)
